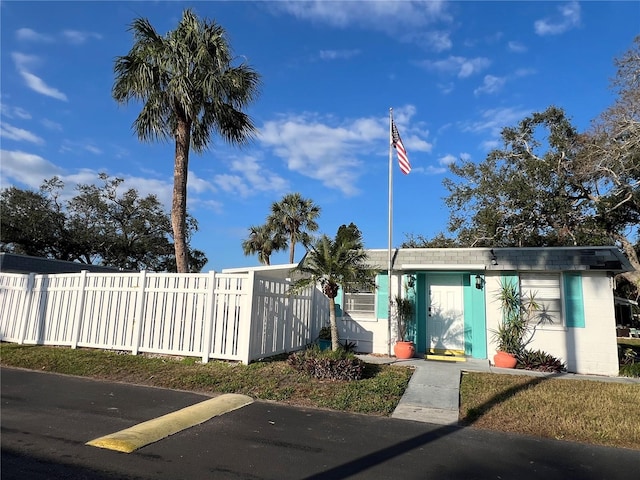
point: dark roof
(13, 263)
(511, 259)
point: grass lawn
(584, 411)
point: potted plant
(403, 348)
(324, 338)
(513, 332)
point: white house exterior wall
(370, 333)
(592, 349)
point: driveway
(48, 418)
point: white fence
(241, 317)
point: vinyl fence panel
(241, 317)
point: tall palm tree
(263, 240)
(334, 263)
(294, 217)
(189, 90)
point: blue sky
(455, 73)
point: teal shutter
(339, 302)
(511, 279)
(573, 300)
(382, 296)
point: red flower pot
(504, 360)
(404, 350)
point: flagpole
(389, 268)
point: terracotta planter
(504, 360)
(404, 350)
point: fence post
(77, 321)
(209, 315)
(289, 328)
(246, 321)
(26, 310)
(138, 319)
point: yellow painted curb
(156, 429)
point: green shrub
(630, 370)
(629, 358)
(327, 364)
(628, 355)
(540, 361)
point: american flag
(403, 160)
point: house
(14, 263)
(455, 290)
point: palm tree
(294, 217)
(263, 241)
(189, 90)
(333, 264)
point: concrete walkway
(433, 393)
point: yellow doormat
(156, 429)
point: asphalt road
(47, 419)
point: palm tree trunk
(292, 248)
(179, 202)
(335, 344)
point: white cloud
(14, 112)
(77, 37)
(162, 189)
(51, 125)
(516, 47)
(492, 122)
(79, 147)
(445, 88)
(432, 170)
(491, 84)
(38, 85)
(338, 54)
(336, 153)
(19, 134)
(388, 16)
(437, 41)
(324, 152)
(447, 160)
(442, 167)
(29, 35)
(93, 149)
(460, 66)
(197, 184)
(570, 14)
(25, 168)
(23, 61)
(35, 83)
(249, 176)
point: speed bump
(156, 429)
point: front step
(445, 355)
(445, 358)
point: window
(360, 302)
(546, 291)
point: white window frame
(537, 282)
(365, 313)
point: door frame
(474, 311)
